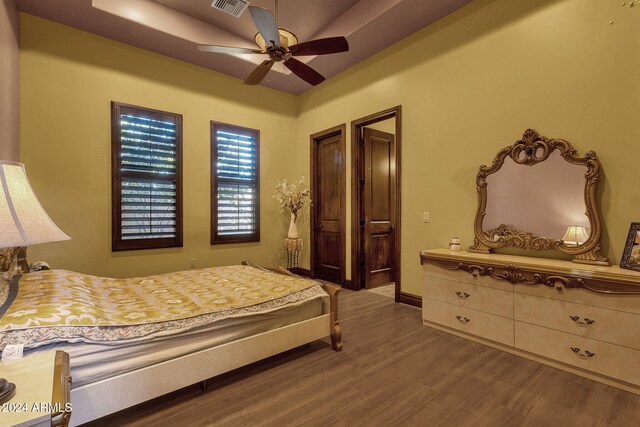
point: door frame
(356, 207)
(314, 139)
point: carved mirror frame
(530, 150)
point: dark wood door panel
(328, 243)
(380, 179)
(329, 258)
(328, 215)
(329, 178)
(379, 227)
(380, 278)
(379, 207)
(380, 251)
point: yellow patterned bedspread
(59, 305)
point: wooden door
(379, 208)
(328, 206)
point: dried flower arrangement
(292, 196)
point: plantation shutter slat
(148, 209)
(147, 175)
(235, 184)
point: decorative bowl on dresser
(582, 315)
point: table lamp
(575, 235)
(23, 222)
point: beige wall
(472, 83)
(9, 81)
(68, 80)
(388, 125)
(469, 85)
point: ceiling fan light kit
(281, 45)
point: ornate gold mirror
(538, 194)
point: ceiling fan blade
(303, 71)
(227, 49)
(266, 25)
(320, 46)
(259, 73)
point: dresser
(43, 390)
(580, 318)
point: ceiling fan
(281, 45)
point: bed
(136, 339)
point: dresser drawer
(627, 303)
(608, 359)
(465, 277)
(495, 301)
(486, 325)
(612, 326)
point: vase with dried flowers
(292, 197)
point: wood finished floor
(392, 372)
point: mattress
(113, 326)
(63, 306)
(92, 362)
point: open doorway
(375, 201)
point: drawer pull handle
(586, 322)
(462, 295)
(463, 319)
(587, 354)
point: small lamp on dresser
(575, 235)
(23, 222)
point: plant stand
(293, 247)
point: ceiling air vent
(232, 7)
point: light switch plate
(425, 217)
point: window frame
(117, 243)
(217, 239)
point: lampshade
(23, 221)
(575, 235)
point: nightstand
(43, 390)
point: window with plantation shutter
(235, 184)
(147, 178)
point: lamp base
(7, 390)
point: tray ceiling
(174, 27)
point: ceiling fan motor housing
(287, 38)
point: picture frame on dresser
(631, 255)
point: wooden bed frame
(101, 398)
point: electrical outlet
(425, 217)
(192, 263)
